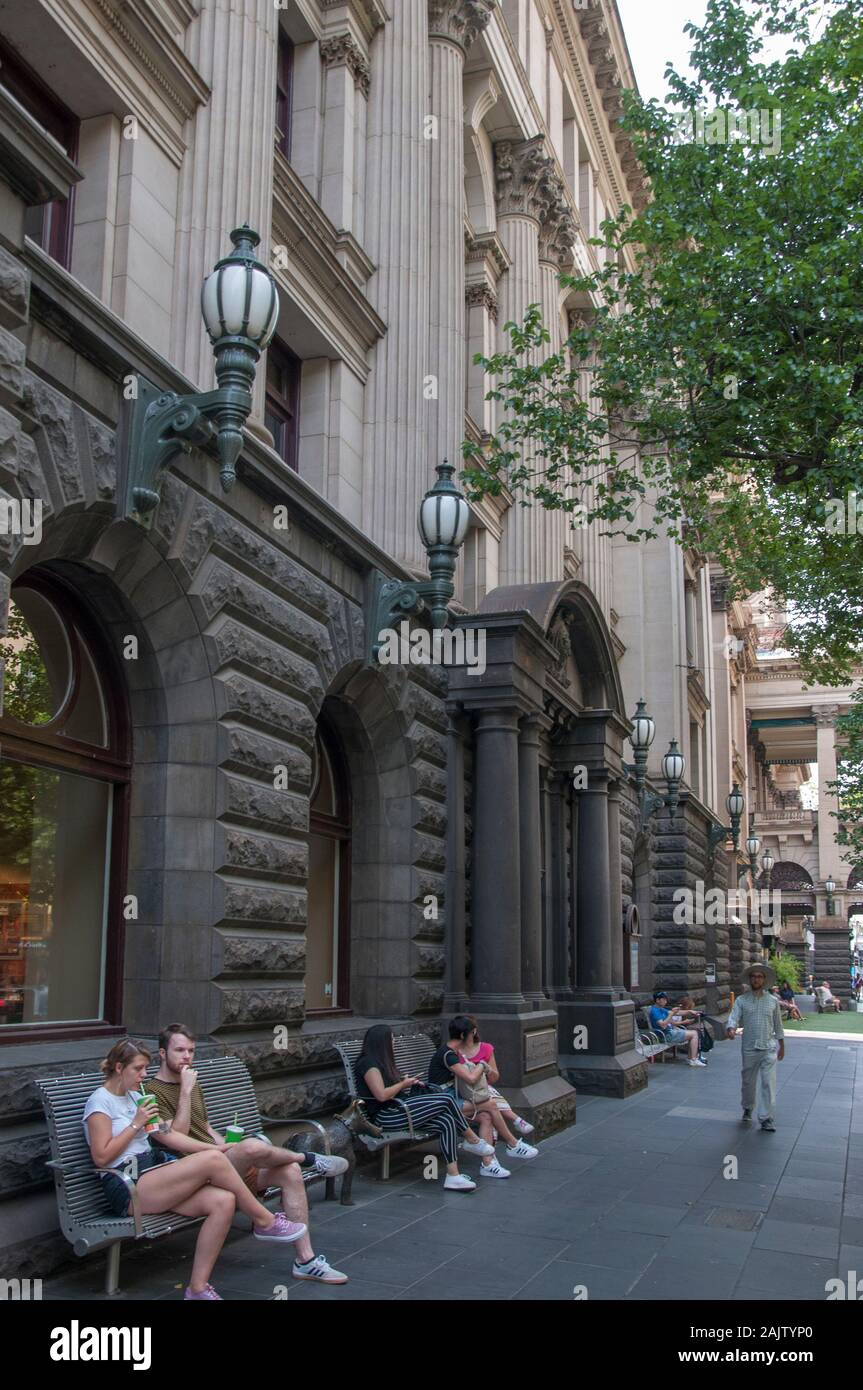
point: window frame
(284, 93)
(31, 745)
(40, 102)
(340, 828)
(283, 402)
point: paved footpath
(630, 1203)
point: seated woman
(786, 1002)
(476, 1051)
(379, 1082)
(446, 1067)
(202, 1184)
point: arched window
(64, 778)
(327, 933)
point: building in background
(215, 805)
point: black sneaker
(747, 1115)
(769, 1126)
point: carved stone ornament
(459, 20)
(520, 168)
(558, 636)
(343, 50)
(557, 229)
(482, 296)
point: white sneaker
(494, 1170)
(522, 1150)
(696, 1063)
(522, 1126)
(459, 1183)
(480, 1148)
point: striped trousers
(439, 1113)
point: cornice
(329, 294)
(34, 164)
(368, 15)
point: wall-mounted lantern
(240, 307)
(443, 520)
(718, 834)
(673, 766)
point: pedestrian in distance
(759, 1013)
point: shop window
(49, 224)
(284, 93)
(327, 932)
(282, 410)
(63, 791)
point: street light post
(830, 889)
(718, 834)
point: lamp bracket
(716, 836)
(651, 802)
(161, 425)
(391, 602)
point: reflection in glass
(38, 663)
(54, 840)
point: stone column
(496, 895)
(347, 82)
(455, 1001)
(453, 26)
(829, 859)
(594, 936)
(615, 896)
(559, 982)
(531, 850)
(397, 216)
(557, 235)
(226, 178)
(521, 173)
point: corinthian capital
(520, 169)
(557, 226)
(342, 50)
(459, 20)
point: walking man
(760, 1014)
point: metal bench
(84, 1216)
(653, 1043)
(413, 1052)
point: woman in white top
(204, 1184)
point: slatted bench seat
(413, 1052)
(85, 1219)
(650, 1042)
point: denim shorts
(675, 1035)
(117, 1193)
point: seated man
(667, 1025)
(788, 1007)
(827, 999)
(185, 1128)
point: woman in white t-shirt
(204, 1184)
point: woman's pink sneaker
(282, 1230)
(207, 1292)
(522, 1126)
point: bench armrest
(407, 1115)
(132, 1189)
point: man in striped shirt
(760, 1015)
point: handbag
(479, 1092)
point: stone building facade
(221, 809)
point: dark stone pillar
(594, 935)
(456, 997)
(615, 905)
(496, 897)
(559, 983)
(530, 866)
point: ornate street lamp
(735, 806)
(240, 306)
(753, 846)
(443, 520)
(767, 862)
(830, 889)
(673, 766)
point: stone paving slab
(631, 1203)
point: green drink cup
(234, 1134)
(152, 1125)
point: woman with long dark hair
(379, 1082)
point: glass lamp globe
(643, 727)
(239, 299)
(673, 763)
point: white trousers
(759, 1075)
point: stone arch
(789, 877)
(390, 728)
(479, 179)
